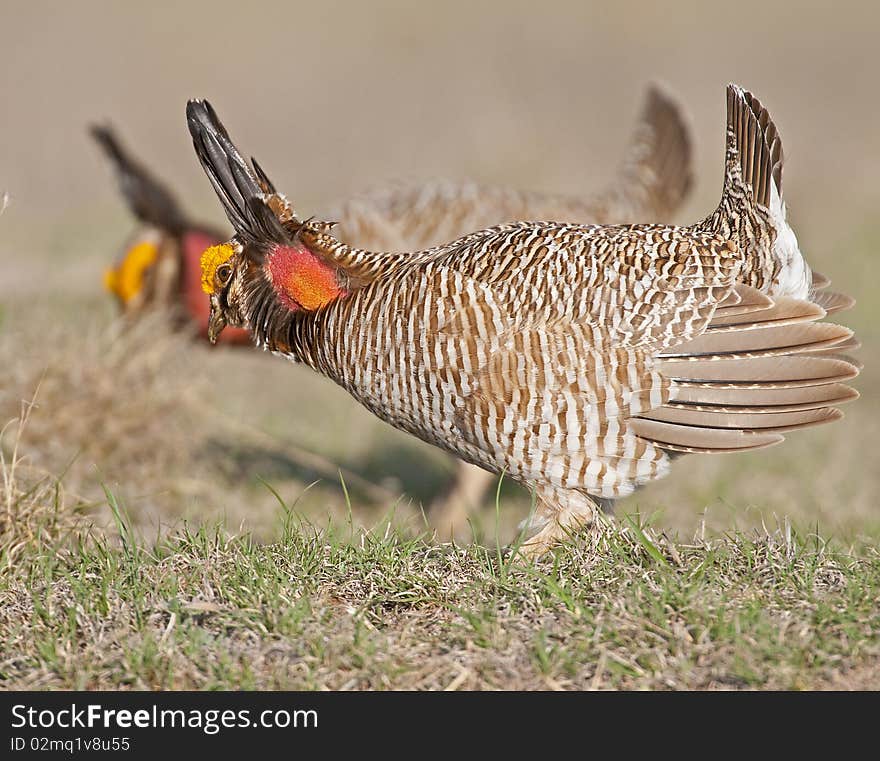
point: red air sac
(300, 279)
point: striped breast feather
(551, 406)
(752, 377)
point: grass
(355, 609)
(345, 607)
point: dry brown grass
(36, 513)
(129, 407)
(105, 391)
(109, 404)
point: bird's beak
(217, 321)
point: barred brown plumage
(573, 357)
(651, 183)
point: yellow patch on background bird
(211, 259)
(127, 280)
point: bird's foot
(556, 531)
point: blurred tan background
(334, 98)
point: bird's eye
(224, 272)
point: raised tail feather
(752, 210)
(754, 147)
(753, 170)
(750, 378)
(149, 199)
(657, 173)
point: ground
(354, 609)
(174, 516)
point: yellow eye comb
(212, 258)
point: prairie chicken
(159, 269)
(578, 359)
(651, 184)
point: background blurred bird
(159, 268)
(654, 178)
(577, 359)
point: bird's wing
(673, 357)
(634, 285)
(550, 389)
(149, 199)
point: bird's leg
(448, 514)
(559, 513)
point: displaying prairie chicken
(651, 184)
(578, 359)
(159, 269)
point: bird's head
(224, 274)
(267, 268)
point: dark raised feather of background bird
(159, 267)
